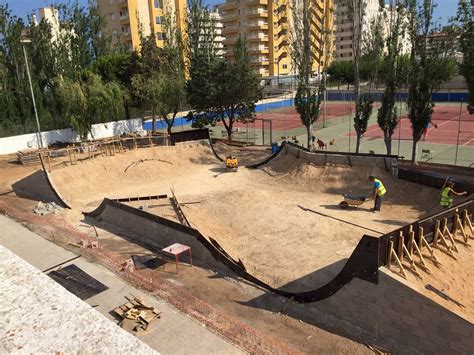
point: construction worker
(446, 195)
(379, 192)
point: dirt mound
(147, 171)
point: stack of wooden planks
(29, 156)
(136, 316)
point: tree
(119, 68)
(393, 70)
(222, 91)
(307, 100)
(88, 100)
(431, 63)
(172, 76)
(363, 111)
(342, 71)
(148, 89)
(356, 14)
(373, 49)
(465, 16)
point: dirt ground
(257, 216)
(221, 304)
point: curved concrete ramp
(157, 232)
(328, 157)
(56, 193)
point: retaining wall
(387, 162)
(13, 144)
(392, 310)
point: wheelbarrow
(353, 201)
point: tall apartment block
(124, 18)
(215, 20)
(266, 26)
(344, 30)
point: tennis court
(286, 119)
(450, 122)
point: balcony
(122, 3)
(124, 19)
(230, 40)
(263, 72)
(230, 18)
(257, 2)
(228, 6)
(258, 49)
(259, 38)
(257, 25)
(230, 29)
(257, 13)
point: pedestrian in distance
(378, 193)
(447, 195)
(426, 129)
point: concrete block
(468, 341)
(412, 322)
(409, 339)
(426, 346)
(458, 348)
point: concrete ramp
(155, 233)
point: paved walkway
(174, 333)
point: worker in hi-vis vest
(379, 192)
(446, 195)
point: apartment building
(266, 26)
(216, 17)
(343, 27)
(125, 19)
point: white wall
(101, 130)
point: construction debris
(29, 157)
(44, 208)
(136, 316)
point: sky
(444, 10)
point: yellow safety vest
(381, 190)
(446, 200)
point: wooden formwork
(409, 254)
(93, 149)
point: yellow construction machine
(231, 162)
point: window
(158, 20)
(285, 66)
(113, 17)
(158, 4)
(160, 36)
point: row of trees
(378, 60)
(80, 79)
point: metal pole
(40, 139)
(399, 125)
(325, 99)
(271, 138)
(278, 71)
(459, 130)
(350, 116)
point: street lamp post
(40, 139)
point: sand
(255, 215)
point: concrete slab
(37, 315)
(174, 333)
(39, 252)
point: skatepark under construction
(403, 275)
